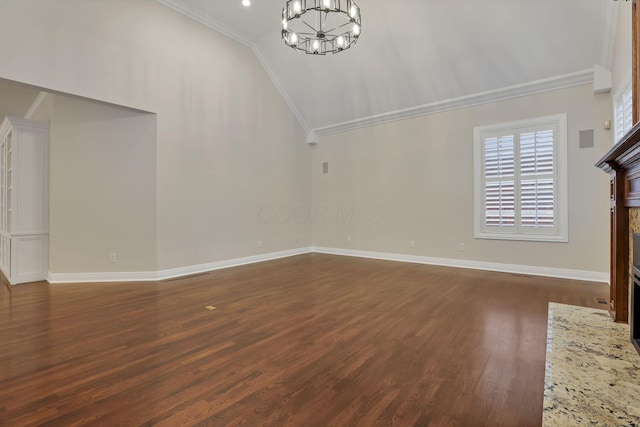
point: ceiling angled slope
(419, 57)
(608, 33)
(206, 19)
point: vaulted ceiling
(423, 55)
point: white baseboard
(589, 276)
(218, 265)
(152, 276)
(127, 276)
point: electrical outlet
(412, 244)
(462, 247)
(113, 257)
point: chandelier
(320, 26)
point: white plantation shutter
(500, 204)
(537, 203)
(518, 185)
(627, 101)
(499, 156)
(619, 120)
(536, 152)
(499, 167)
(537, 185)
(623, 109)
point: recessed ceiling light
(246, 3)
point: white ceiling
(416, 53)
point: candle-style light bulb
(316, 45)
(293, 39)
(297, 7)
(356, 29)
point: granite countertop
(592, 370)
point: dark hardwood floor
(312, 340)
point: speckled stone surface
(592, 370)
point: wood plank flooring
(312, 340)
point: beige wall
(413, 180)
(232, 166)
(227, 144)
(102, 188)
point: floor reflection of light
(510, 341)
(499, 330)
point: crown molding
(516, 91)
(37, 105)
(610, 10)
(209, 21)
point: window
(521, 180)
(623, 111)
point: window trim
(562, 194)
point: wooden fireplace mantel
(622, 162)
(625, 155)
